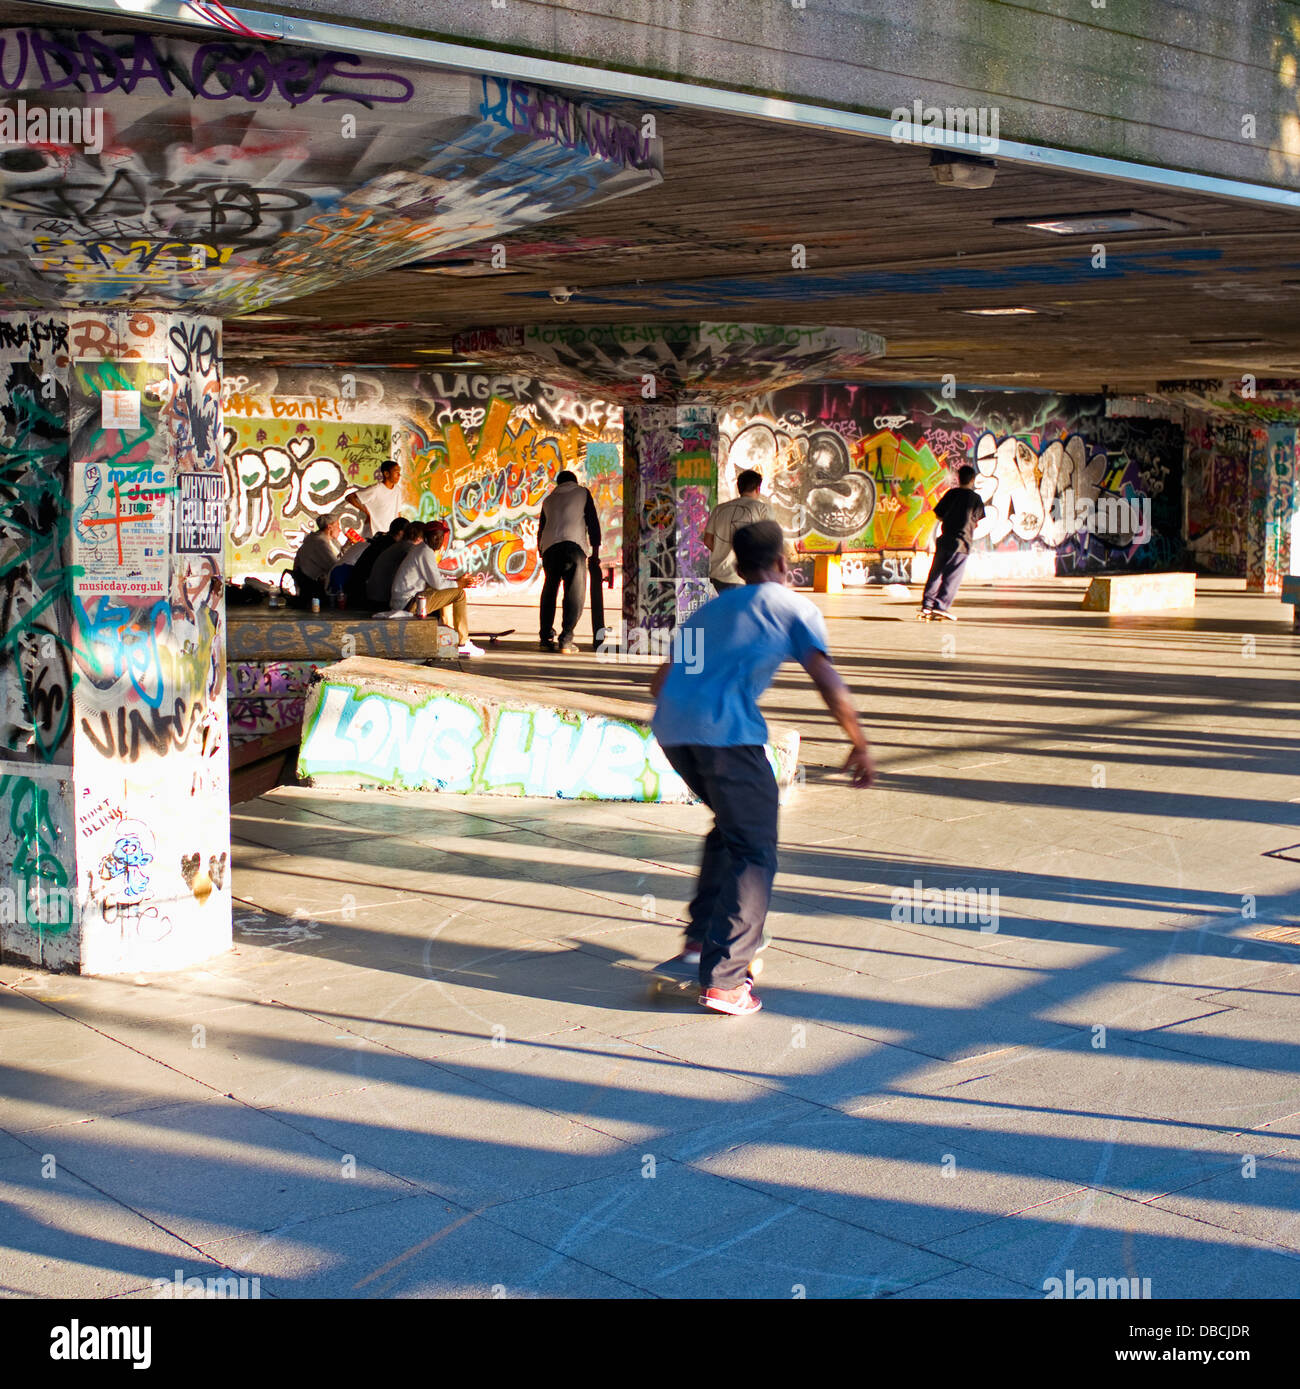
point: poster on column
(122, 492)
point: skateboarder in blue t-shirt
(708, 724)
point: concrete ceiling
(886, 248)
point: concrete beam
(1167, 85)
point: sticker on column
(119, 409)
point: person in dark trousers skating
(708, 724)
(568, 539)
(959, 510)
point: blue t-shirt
(724, 656)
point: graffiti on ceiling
(138, 170)
(632, 363)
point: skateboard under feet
(672, 979)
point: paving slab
(63, 1238)
(419, 1247)
(1098, 1235)
(682, 1233)
(214, 1170)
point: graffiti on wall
(267, 697)
(450, 743)
(282, 474)
(479, 452)
(859, 470)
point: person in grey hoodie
(569, 537)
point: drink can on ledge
(315, 605)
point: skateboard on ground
(672, 979)
(491, 637)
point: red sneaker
(739, 1002)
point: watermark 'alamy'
(936, 125)
(1085, 1288)
(229, 1287)
(53, 125)
(39, 905)
(954, 906)
(1123, 517)
(626, 645)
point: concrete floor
(430, 1066)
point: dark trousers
(945, 574)
(735, 884)
(563, 563)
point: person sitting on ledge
(421, 581)
(361, 570)
(379, 584)
(316, 556)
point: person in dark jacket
(569, 537)
(356, 586)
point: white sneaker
(469, 649)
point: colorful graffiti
(267, 697)
(282, 474)
(452, 743)
(670, 486)
(858, 470)
(1217, 480)
(480, 452)
(159, 189)
(357, 735)
(114, 647)
(1280, 505)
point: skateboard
(596, 580)
(672, 979)
(491, 637)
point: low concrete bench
(374, 723)
(1140, 593)
(1291, 594)
(287, 634)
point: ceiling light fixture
(1008, 312)
(962, 170)
(1092, 223)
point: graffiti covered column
(113, 646)
(1281, 503)
(670, 484)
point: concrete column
(114, 793)
(1257, 509)
(670, 484)
(1280, 504)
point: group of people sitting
(393, 570)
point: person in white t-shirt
(379, 502)
(725, 520)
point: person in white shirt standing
(723, 523)
(419, 579)
(379, 502)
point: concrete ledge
(285, 634)
(1140, 593)
(373, 723)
